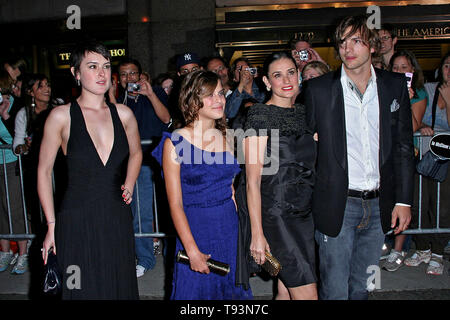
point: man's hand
(314, 55)
(403, 215)
(146, 88)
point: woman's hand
(49, 243)
(258, 247)
(4, 107)
(198, 260)
(21, 149)
(426, 131)
(127, 195)
(411, 93)
(444, 90)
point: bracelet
(50, 222)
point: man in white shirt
(365, 164)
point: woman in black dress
(279, 184)
(92, 233)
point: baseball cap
(187, 58)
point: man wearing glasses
(187, 63)
(149, 107)
(388, 40)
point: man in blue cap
(187, 62)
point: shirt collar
(348, 83)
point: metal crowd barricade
(423, 147)
(156, 233)
(11, 235)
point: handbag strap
(433, 106)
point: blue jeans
(143, 201)
(344, 260)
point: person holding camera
(303, 53)
(246, 88)
(149, 106)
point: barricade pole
(420, 184)
(438, 204)
(138, 205)
(155, 210)
(22, 190)
(7, 191)
(155, 233)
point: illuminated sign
(424, 33)
(64, 57)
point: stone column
(139, 33)
(179, 26)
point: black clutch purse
(215, 266)
(53, 279)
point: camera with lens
(133, 87)
(252, 71)
(303, 55)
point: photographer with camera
(246, 88)
(302, 52)
(149, 107)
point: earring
(32, 102)
(78, 82)
(268, 88)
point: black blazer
(323, 97)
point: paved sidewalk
(401, 284)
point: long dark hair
(440, 73)
(29, 80)
(418, 78)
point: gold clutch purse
(271, 265)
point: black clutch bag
(215, 266)
(53, 279)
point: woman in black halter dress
(92, 233)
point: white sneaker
(14, 259)
(418, 257)
(22, 265)
(436, 266)
(5, 260)
(140, 270)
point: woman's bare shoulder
(60, 113)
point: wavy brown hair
(195, 86)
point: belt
(365, 195)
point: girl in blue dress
(199, 168)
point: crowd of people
(341, 141)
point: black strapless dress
(286, 194)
